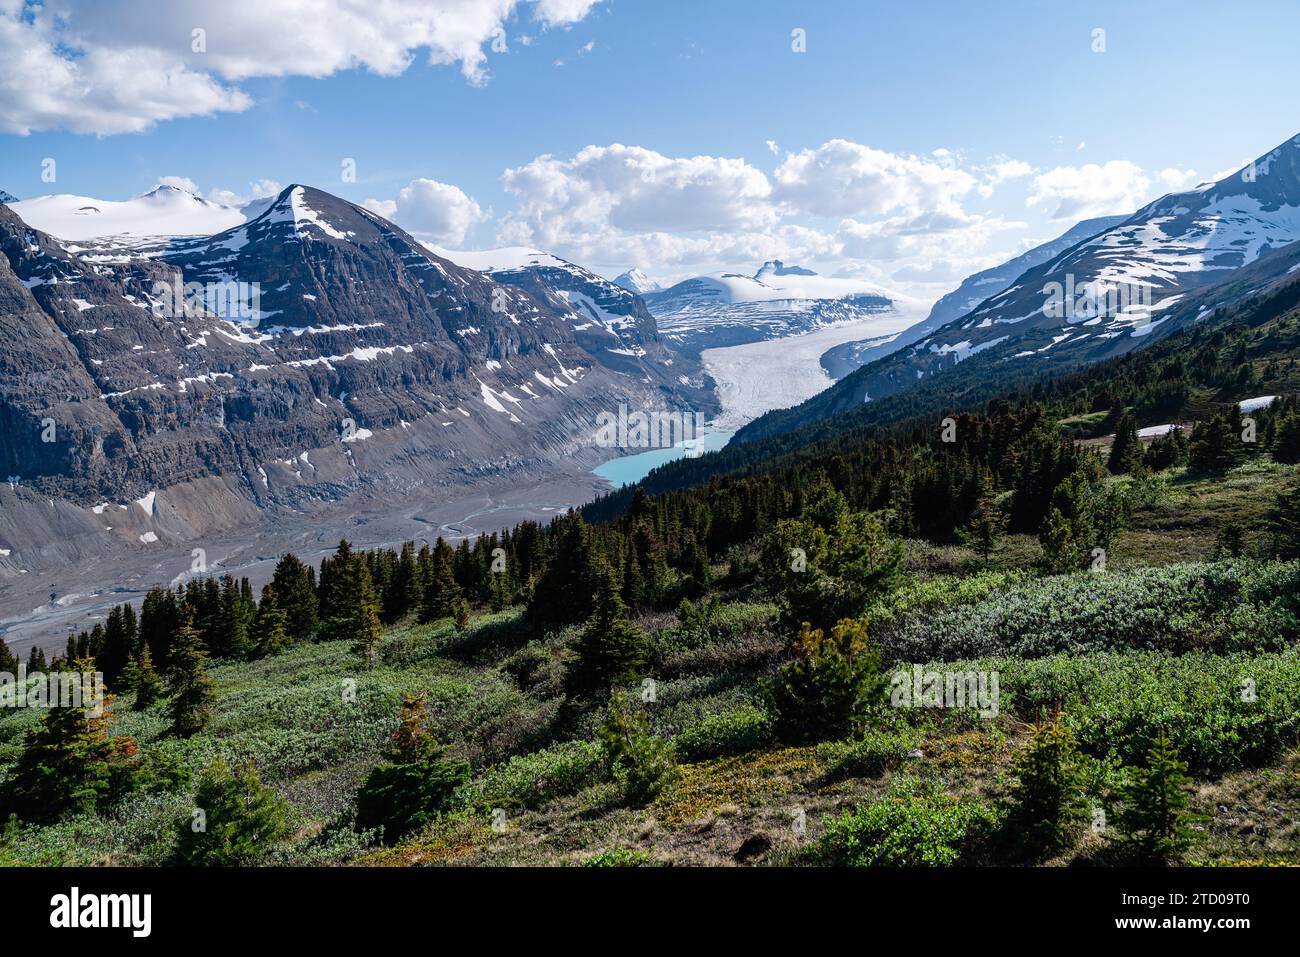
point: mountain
(7, 198)
(974, 289)
(163, 211)
(726, 308)
(634, 280)
(321, 360)
(607, 319)
(1169, 264)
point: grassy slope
(494, 693)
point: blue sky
(726, 126)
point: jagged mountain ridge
(1181, 253)
(370, 365)
(973, 290)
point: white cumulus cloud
(1081, 192)
(431, 210)
(119, 66)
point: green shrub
(870, 755)
(237, 819)
(619, 857)
(912, 828)
(1221, 712)
(1048, 806)
(722, 735)
(639, 762)
(832, 683)
(530, 780)
(1221, 606)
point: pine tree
(415, 785)
(1152, 819)
(8, 663)
(270, 631)
(1048, 804)
(987, 522)
(1284, 524)
(1126, 449)
(119, 640)
(193, 698)
(66, 765)
(36, 663)
(642, 764)
(1067, 533)
(295, 592)
(362, 625)
(1286, 438)
(240, 819)
(141, 677)
(610, 650)
(832, 682)
(1215, 445)
(442, 592)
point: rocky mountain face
(7, 197)
(1172, 262)
(155, 391)
(607, 319)
(726, 309)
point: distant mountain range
(1171, 263)
(343, 358)
(726, 308)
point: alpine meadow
(565, 434)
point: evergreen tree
(416, 785)
(404, 593)
(641, 764)
(36, 663)
(362, 626)
(833, 681)
(270, 631)
(238, 819)
(442, 592)
(1284, 524)
(610, 650)
(141, 677)
(193, 698)
(822, 578)
(119, 642)
(1068, 531)
(1286, 438)
(67, 761)
(1215, 445)
(987, 522)
(1048, 804)
(8, 663)
(1167, 451)
(1126, 449)
(295, 592)
(1152, 819)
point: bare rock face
(166, 389)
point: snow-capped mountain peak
(634, 280)
(163, 211)
(7, 198)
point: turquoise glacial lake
(630, 469)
